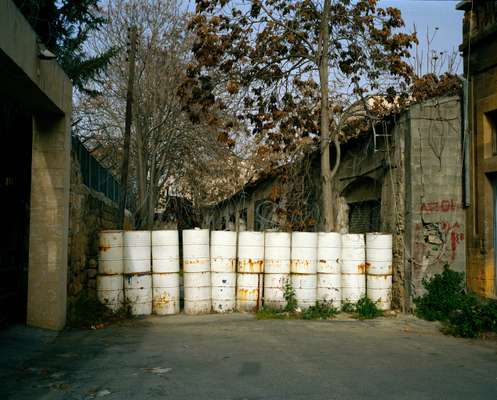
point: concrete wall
(41, 88)
(435, 219)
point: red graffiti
(436, 239)
(440, 206)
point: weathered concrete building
(479, 48)
(405, 178)
(35, 114)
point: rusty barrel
(379, 269)
(110, 290)
(304, 268)
(110, 253)
(277, 247)
(353, 267)
(223, 271)
(196, 271)
(329, 288)
(137, 272)
(165, 272)
(250, 271)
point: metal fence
(95, 176)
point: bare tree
(167, 149)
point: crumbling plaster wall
(435, 220)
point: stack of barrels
(276, 268)
(304, 268)
(165, 272)
(379, 269)
(110, 269)
(250, 272)
(329, 268)
(137, 272)
(196, 271)
(353, 267)
(223, 271)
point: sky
(431, 14)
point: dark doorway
(15, 187)
(364, 216)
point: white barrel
(277, 252)
(353, 287)
(165, 251)
(251, 252)
(110, 252)
(329, 252)
(379, 290)
(305, 287)
(138, 293)
(330, 289)
(165, 290)
(249, 292)
(197, 287)
(379, 253)
(196, 250)
(304, 253)
(353, 267)
(274, 290)
(223, 291)
(223, 251)
(137, 252)
(110, 291)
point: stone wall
(89, 213)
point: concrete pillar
(47, 277)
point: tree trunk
(327, 211)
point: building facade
(35, 118)
(479, 49)
(404, 178)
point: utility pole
(133, 37)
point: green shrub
(445, 293)
(348, 307)
(322, 310)
(270, 313)
(290, 298)
(488, 315)
(462, 313)
(365, 308)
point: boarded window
(364, 216)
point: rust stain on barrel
(361, 268)
(367, 266)
(249, 265)
(103, 248)
(247, 294)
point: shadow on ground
(238, 357)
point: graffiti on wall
(438, 241)
(440, 206)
